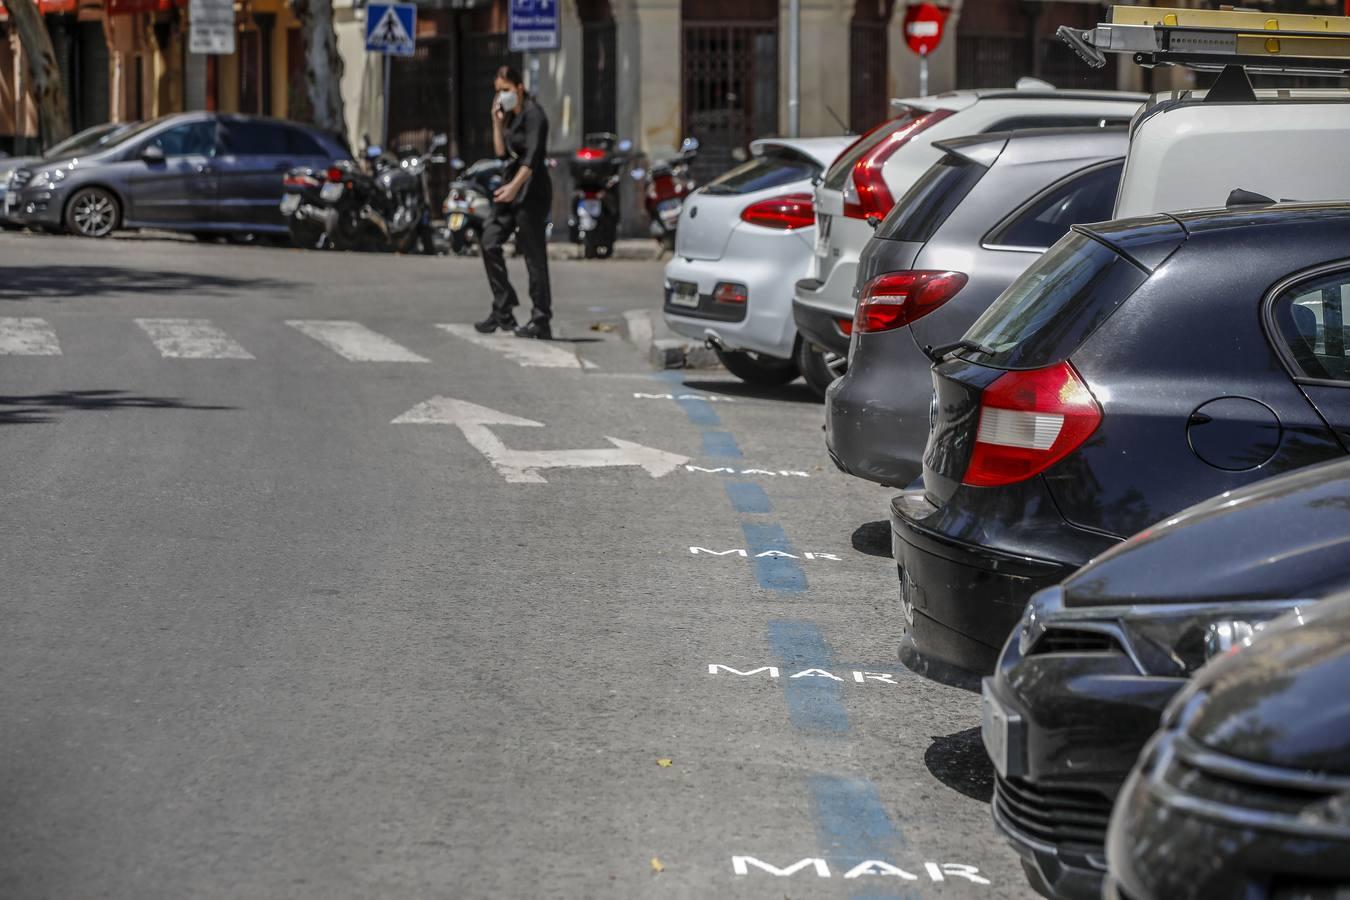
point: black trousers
(529, 224)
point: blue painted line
(852, 827)
(720, 444)
(815, 702)
(774, 573)
(748, 498)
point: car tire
(93, 212)
(820, 368)
(757, 368)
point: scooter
(469, 203)
(665, 185)
(305, 214)
(383, 205)
(596, 168)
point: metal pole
(386, 100)
(794, 88)
(923, 75)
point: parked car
(867, 178)
(1086, 675)
(86, 141)
(1243, 792)
(743, 240)
(970, 225)
(1139, 367)
(203, 173)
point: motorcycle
(596, 168)
(302, 208)
(666, 184)
(469, 203)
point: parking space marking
(531, 354)
(710, 398)
(191, 339)
(354, 341)
(747, 497)
(27, 336)
(720, 445)
(732, 470)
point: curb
(628, 249)
(640, 329)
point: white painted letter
(774, 553)
(772, 670)
(726, 469)
(878, 867)
(933, 871)
(815, 673)
(828, 556)
(697, 550)
(883, 677)
(961, 870)
(741, 866)
(655, 396)
(757, 472)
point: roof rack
(1214, 39)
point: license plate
(591, 208)
(456, 221)
(330, 192)
(1001, 732)
(823, 235)
(684, 293)
(289, 204)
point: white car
(743, 241)
(876, 170)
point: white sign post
(211, 27)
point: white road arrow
(522, 466)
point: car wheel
(819, 367)
(93, 212)
(757, 368)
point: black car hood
(1283, 701)
(1283, 538)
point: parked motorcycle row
(245, 177)
(1108, 372)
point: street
(306, 595)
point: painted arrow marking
(522, 466)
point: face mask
(508, 100)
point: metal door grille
(867, 96)
(730, 88)
(480, 57)
(419, 100)
(598, 73)
(990, 60)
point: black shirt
(525, 134)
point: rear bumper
(766, 324)
(818, 325)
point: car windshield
(90, 139)
(775, 168)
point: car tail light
(897, 298)
(589, 153)
(334, 174)
(783, 213)
(730, 292)
(846, 326)
(1029, 421)
(866, 194)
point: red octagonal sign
(923, 27)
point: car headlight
(5, 179)
(48, 177)
(1179, 640)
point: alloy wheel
(93, 214)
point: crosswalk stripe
(541, 354)
(27, 336)
(354, 341)
(191, 339)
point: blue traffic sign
(391, 28)
(533, 25)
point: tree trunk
(323, 65)
(44, 76)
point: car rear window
(774, 168)
(926, 205)
(1048, 312)
(843, 165)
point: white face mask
(508, 100)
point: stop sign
(923, 27)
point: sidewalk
(626, 248)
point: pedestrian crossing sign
(390, 28)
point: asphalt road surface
(307, 596)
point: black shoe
(492, 323)
(538, 330)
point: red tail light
(846, 326)
(730, 292)
(589, 153)
(784, 213)
(897, 298)
(866, 193)
(1028, 422)
(334, 174)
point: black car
(1084, 679)
(1245, 791)
(1138, 368)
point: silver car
(90, 140)
(203, 173)
(966, 229)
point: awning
(47, 7)
(130, 7)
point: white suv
(876, 170)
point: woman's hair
(509, 73)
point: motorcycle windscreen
(714, 211)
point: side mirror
(638, 173)
(689, 145)
(740, 155)
(152, 154)
(625, 145)
(456, 164)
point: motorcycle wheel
(590, 249)
(462, 241)
(604, 251)
(757, 368)
(819, 367)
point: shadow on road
(873, 538)
(796, 392)
(34, 409)
(960, 762)
(54, 282)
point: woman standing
(520, 206)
